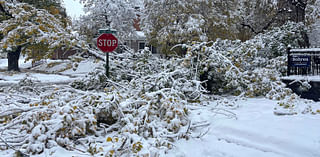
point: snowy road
(255, 132)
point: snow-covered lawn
(45, 73)
(6, 79)
(255, 131)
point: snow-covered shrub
(145, 96)
(58, 119)
(94, 80)
(253, 67)
(129, 65)
(292, 105)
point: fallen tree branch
(16, 111)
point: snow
(141, 34)
(241, 128)
(306, 50)
(250, 129)
(83, 68)
(41, 78)
(44, 74)
(315, 78)
(10, 78)
(22, 63)
(255, 132)
(156, 106)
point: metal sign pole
(107, 64)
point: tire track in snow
(264, 143)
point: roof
(137, 35)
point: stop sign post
(107, 42)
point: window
(142, 45)
(152, 49)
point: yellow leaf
(75, 107)
(109, 139)
(41, 27)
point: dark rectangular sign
(300, 61)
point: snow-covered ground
(247, 128)
(315, 78)
(255, 131)
(45, 73)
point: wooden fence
(303, 61)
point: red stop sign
(107, 42)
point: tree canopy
(33, 30)
(171, 22)
(116, 14)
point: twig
(231, 113)
(122, 145)
(202, 134)
(7, 144)
(77, 149)
(200, 125)
(16, 111)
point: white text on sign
(105, 42)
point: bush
(253, 67)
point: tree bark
(13, 60)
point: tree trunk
(13, 60)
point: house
(138, 41)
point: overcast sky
(74, 8)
